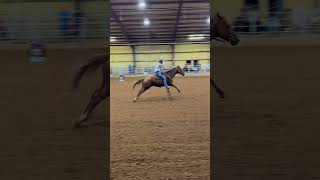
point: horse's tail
(93, 65)
(136, 83)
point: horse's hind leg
(96, 98)
(142, 90)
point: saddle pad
(157, 78)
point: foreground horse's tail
(93, 65)
(136, 83)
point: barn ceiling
(159, 21)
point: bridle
(215, 37)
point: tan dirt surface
(268, 128)
(160, 139)
(38, 110)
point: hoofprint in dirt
(157, 138)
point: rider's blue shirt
(158, 67)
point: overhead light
(196, 36)
(208, 20)
(142, 4)
(146, 22)
(113, 39)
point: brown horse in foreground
(152, 80)
(221, 31)
(101, 93)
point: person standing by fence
(252, 10)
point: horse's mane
(171, 69)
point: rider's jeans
(163, 78)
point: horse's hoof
(77, 125)
(82, 118)
(135, 100)
(222, 96)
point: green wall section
(41, 19)
(92, 8)
(121, 56)
(147, 56)
(35, 9)
(49, 9)
(153, 54)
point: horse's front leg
(176, 87)
(217, 88)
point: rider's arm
(165, 68)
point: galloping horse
(219, 29)
(152, 80)
(101, 93)
(222, 31)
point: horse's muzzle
(234, 40)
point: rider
(158, 73)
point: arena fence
(132, 70)
(25, 29)
(265, 24)
(140, 59)
(287, 23)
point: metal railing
(24, 29)
(290, 22)
(131, 70)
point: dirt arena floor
(38, 110)
(160, 139)
(269, 125)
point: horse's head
(180, 70)
(221, 29)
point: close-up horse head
(220, 28)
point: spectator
(64, 18)
(275, 7)
(76, 25)
(252, 9)
(3, 31)
(273, 24)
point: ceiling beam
(157, 3)
(168, 20)
(177, 20)
(123, 29)
(168, 14)
(186, 31)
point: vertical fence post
(134, 58)
(173, 46)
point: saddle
(158, 79)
